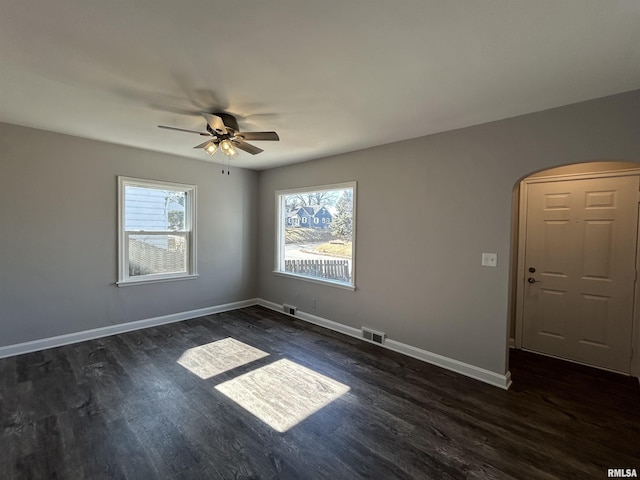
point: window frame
(280, 231)
(189, 232)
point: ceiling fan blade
(259, 136)
(184, 130)
(247, 147)
(204, 144)
(216, 123)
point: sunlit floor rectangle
(282, 393)
(214, 358)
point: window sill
(320, 281)
(130, 283)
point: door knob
(531, 280)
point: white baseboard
(477, 373)
(59, 341)
(307, 317)
(512, 342)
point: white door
(580, 270)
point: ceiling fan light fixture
(227, 148)
(211, 148)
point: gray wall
(58, 235)
(426, 210)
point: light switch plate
(489, 259)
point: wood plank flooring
(122, 407)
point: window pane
(157, 231)
(318, 234)
(154, 254)
(154, 210)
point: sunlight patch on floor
(283, 393)
(214, 358)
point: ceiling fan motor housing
(229, 122)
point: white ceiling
(329, 76)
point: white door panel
(581, 244)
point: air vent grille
(289, 309)
(373, 335)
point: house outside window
(156, 223)
(316, 234)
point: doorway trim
(521, 243)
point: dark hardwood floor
(122, 407)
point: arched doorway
(560, 310)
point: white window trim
(190, 225)
(280, 234)
(321, 281)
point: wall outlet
(489, 259)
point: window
(156, 223)
(324, 255)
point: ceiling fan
(225, 135)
